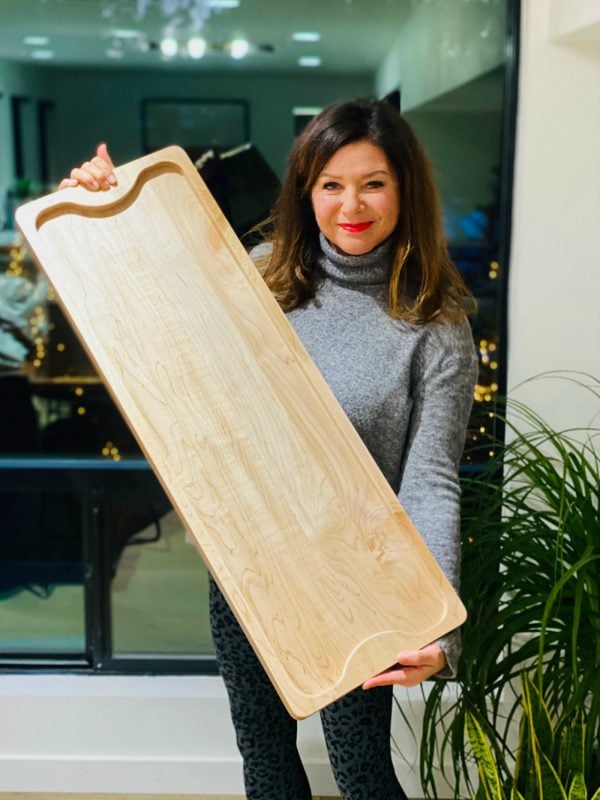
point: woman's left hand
(414, 667)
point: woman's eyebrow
(366, 175)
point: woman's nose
(351, 201)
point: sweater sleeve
(443, 377)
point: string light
(110, 450)
(38, 323)
(482, 392)
(485, 348)
(15, 265)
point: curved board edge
(92, 203)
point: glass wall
(94, 565)
(96, 570)
(42, 608)
(462, 132)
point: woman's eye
(331, 186)
(375, 185)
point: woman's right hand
(95, 175)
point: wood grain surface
(322, 567)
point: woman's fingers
(96, 175)
(104, 160)
(66, 182)
(414, 667)
(400, 676)
(102, 152)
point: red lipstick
(357, 227)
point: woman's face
(356, 198)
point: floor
(27, 796)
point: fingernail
(95, 185)
(112, 179)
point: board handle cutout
(118, 204)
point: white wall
(554, 290)
(146, 735)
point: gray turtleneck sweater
(406, 388)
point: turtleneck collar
(368, 269)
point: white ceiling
(355, 34)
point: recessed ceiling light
(239, 48)
(169, 47)
(306, 111)
(126, 33)
(36, 41)
(309, 61)
(306, 36)
(42, 55)
(196, 47)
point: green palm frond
(531, 584)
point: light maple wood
(324, 570)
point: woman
(356, 257)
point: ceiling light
(219, 4)
(126, 33)
(239, 48)
(114, 52)
(306, 111)
(309, 61)
(196, 47)
(169, 47)
(42, 55)
(306, 36)
(36, 41)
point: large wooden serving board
(322, 567)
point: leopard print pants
(356, 727)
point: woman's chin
(354, 247)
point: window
(95, 569)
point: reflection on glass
(159, 593)
(461, 132)
(51, 400)
(41, 573)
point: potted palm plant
(531, 584)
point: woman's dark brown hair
(423, 282)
